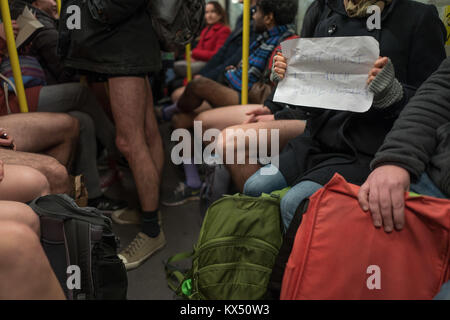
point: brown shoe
(140, 249)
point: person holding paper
(411, 41)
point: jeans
(79, 102)
(426, 187)
(258, 184)
(444, 294)
(294, 197)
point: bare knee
(18, 244)
(20, 213)
(203, 119)
(57, 176)
(177, 94)
(37, 182)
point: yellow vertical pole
(58, 4)
(188, 62)
(13, 56)
(245, 51)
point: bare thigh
(19, 212)
(286, 130)
(221, 118)
(37, 131)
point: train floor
(181, 227)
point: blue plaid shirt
(260, 52)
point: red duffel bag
(339, 254)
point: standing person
(116, 40)
(212, 38)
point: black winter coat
(44, 45)
(115, 38)
(420, 138)
(412, 36)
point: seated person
(20, 245)
(273, 19)
(414, 156)
(20, 238)
(45, 40)
(77, 100)
(230, 54)
(212, 38)
(346, 142)
(42, 141)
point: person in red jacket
(212, 38)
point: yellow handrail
(188, 63)
(245, 51)
(58, 4)
(13, 56)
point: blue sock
(192, 176)
(169, 111)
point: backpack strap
(172, 272)
(77, 237)
(276, 278)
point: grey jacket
(420, 139)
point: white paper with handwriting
(329, 73)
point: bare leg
(54, 171)
(25, 272)
(20, 213)
(177, 94)
(288, 129)
(22, 184)
(54, 134)
(129, 105)
(152, 134)
(221, 118)
(186, 120)
(201, 89)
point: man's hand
(280, 65)
(376, 69)
(15, 30)
(383, 194)
(255, 113)
(6, 141)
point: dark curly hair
(284, 11)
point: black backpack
(177, 22)
(82, 237)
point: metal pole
(58, 4)
(13, 56)
(188, 62)
(245, 51)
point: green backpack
(235, 253)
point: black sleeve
(45, 45)
(412, 141)
(311, 18)
(428, 47)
